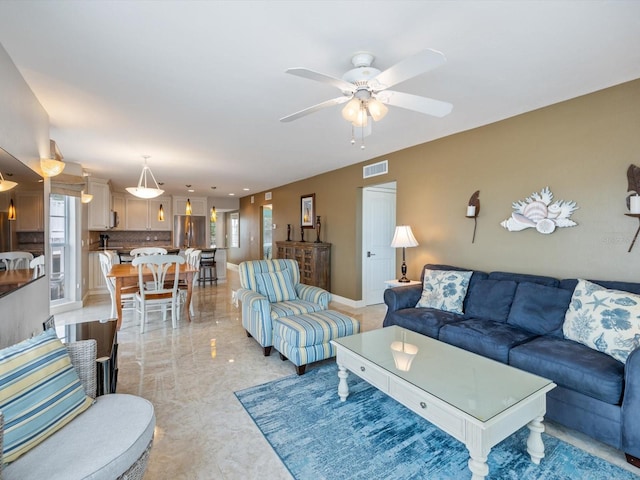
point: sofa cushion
(485, 337)
(276, 286)
(525, 277)
(100, 444)
(490, 299)
(427, 321)
(40, 392)
(573, 366)
(603, 319)
(444, 290)
(539, 309)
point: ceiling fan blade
(321, 77)
(428, 106)
(408, 68)
(315, 108)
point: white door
(378, 225)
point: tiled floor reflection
(190, 374)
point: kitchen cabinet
(29, 211)
(100, 205)
(142, 214)
(198, 205)
(314, 261)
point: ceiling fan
(365, 88)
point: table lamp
(403, 237)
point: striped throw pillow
(276, 286)
(40, 392)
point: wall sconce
(12, 211)
(51, 167)
(214, 215)
(187, 210)
(161, 214)
(403, 237)
(85, 197)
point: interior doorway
(378, 224)
(267, 232)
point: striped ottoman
(305, 338)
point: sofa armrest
(402, 297)
(1, 441)
(631, 405)
(313, 294)
(83, 358)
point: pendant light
(187, 210)
(161, 214)
(6, 185)
(53, 165)
(214, 215)
(142, 190)
(12, 211)
(85, 197)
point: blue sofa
(517, 319)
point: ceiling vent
(380, 168)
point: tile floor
(190, 374)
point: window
(61, 219)
(235, 229)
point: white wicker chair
(34, 465)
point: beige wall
(580, 148)
(24, 132)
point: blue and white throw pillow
(444, 290)
(602, 319)
(276, 286)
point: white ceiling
(200, 85)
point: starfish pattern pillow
(444, 290)
(602, 319)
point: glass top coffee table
(478, 401)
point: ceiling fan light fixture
(377, 109)
(362, 118)
(6, 185)
(351, 110)
(142, 190)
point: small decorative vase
(288, 232)
(319, 227)
(301, 234)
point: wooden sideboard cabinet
(314, 261)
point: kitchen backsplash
(129, 238)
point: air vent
(375, 169)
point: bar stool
(208, 270)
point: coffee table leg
(479, 468)
(535, 446)
(343, 387)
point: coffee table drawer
(365, 369)
(424, 405)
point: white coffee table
(478, 401)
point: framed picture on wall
(308, 210)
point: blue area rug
(371, 436)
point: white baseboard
(65, 307)
(347, 301)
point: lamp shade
(350, 110)
(142, 190)
(377, 109)
(403, 237)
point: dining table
(126, 275)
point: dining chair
(37, 264)
(157, 292)
(192, 259)
(148, 251)
(127, 295)
(15, 260)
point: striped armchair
(272, 289)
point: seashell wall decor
(538, 212)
